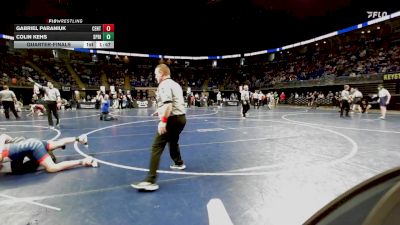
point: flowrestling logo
(376, 14)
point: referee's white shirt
(345, 95)
(51, 94)
(7, 95)
(245, 95)
(169, 91)
(383, 92)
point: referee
(51, 97)
(245, 97)
(8, 100)
(171, 111)
(345, 100)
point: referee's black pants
(175, 125)
(345, 106)
(245, 107)
(7, 105)
(51, 107)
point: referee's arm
(14, 97)
(31, 80)
(389, 97)
(58, 96)
(166, 110)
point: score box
(108, 36)
(108, 27)
(105, 44)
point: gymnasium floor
(276, 167)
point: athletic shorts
(383, 100)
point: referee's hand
(162, 128)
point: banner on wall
(87, 105)
(142, 104)
(232, 103)
(65, 88)
(393, 76)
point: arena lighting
(231, 56)
(256, 53)
(335, 33)
(3, 36)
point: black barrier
(136, 104)
(232, 103)
(375, 201)
(142, 104)
(87, 105)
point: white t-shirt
(51, 94)
(345, 95)
(219, 97)
(244, 95)
(383, 92)
(169, 91)
(7, 95)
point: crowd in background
(352, 55)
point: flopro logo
(376, 14)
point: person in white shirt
(172, 113)
(219, 99)
(384, 99)
(245, 97)
(255, 99)
(345, 99)
(270, 100)
(51, 98)
(260, 99)
(8, 99)
(357, 96)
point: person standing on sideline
(384, 99)
(357, 96)
(171, 111)
(219, 99)
(245, 97)
(254, 98)
(345, 99)
(8, 100)
(51, 97)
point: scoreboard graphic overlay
(90, 36)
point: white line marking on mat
(54, 138)
(210, 129)
(217, 214)
(284, 117)
(30, 202)
(33, 120)
(353, 151)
